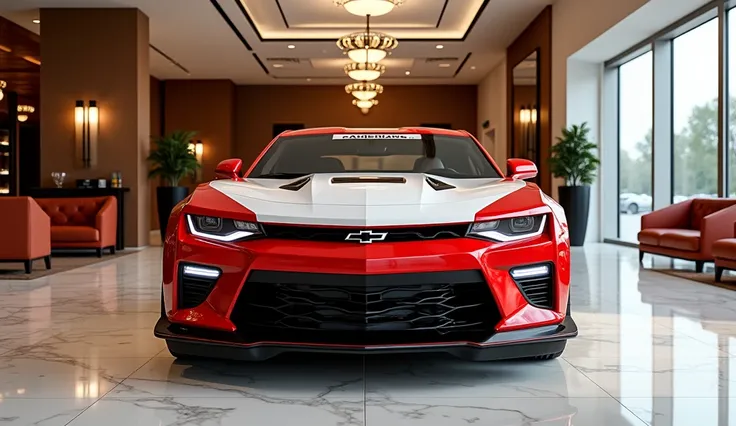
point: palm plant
(172, 159)
(572, 157)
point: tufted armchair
(687, 230)
(84, 223)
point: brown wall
(114, 70)
(260, 107)
(155, 131)
(537, 36)
(207, 107)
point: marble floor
(77, 349)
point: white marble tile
(223, 412)
(282, 377)
(498, 411)
(42, 412)
(683, 411)
(437, 376)
(63, 377)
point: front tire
(633, 208)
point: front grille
(365, 309)
(393, 235)
(193, 291)
(539, 291)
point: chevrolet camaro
(368, 241)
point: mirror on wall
(525, 95)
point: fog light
(530, 272)
(201, 272)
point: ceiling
(242, 40)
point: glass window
(695, 113)
(731, 165)
(635, 144)
(448, 156)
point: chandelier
(365, 106)
(3, 85)
(365, 71)
(23, 111)
(367, 46)
(364, 91)
(369, 7)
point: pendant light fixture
(368, 46)
(364, 91)
(369, 7)
(3, 85)
(23, 111)
(365, 71)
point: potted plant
(573, 159)
(171, 160)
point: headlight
(220, 229)
(511, 229)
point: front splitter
(525, 343)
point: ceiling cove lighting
(364, 91)
(364, 71)
(369, 7)
(23, 111)
(36, 21)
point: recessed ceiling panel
(321, 19)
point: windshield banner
(376, 136)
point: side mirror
(229, 169)
(519, 168)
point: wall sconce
(197, 148)
(528, 115)
(86, 133)
(23, 111)
(3, 85)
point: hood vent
(369, 179)
(297, 184)
(438, 185)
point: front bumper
(503, 345)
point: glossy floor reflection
(77, 348)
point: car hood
(346, 199)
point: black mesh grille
(359, 309)
(393, 235)
(193, 291)
(539, 291)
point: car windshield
(441, 155)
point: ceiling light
(364, 71)
(369, 7)
(291, 46)
(23, 111)
(444, 65)
(365, 104)
(36, 21)
(3, 85)
(439, 46)
(278, 65)
(367, 46)
(407, 73)
(364, 91)
(473, 67)
(5, 48)
(309, 79)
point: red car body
(293, 313)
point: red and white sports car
(368, 241)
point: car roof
(401, 130)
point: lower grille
(360, 309)
(193, 291)
(539, 291)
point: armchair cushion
(680, 239)
(703, 207)
(725, 249)
(651, 236)
(74, 234)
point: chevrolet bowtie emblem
(366, 237)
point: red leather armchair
(26, 234)
(687, 230)
(84, 223)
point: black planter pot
(575, 200)
(167, 197)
